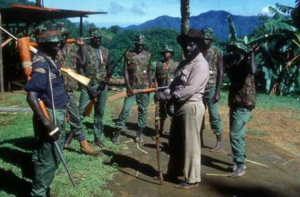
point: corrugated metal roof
(33, 14)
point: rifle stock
(138, 91)
(157, 126)
(89, 108)
(80, 78)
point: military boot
(85, 148)
(116, 136)
(138, 137)
(69, 139)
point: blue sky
(129, 12)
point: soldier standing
(241, 100)
(67, 57)
(211, 96)
(46, 83)
(164, 75)
(95, 66)
(137, 76)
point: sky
(134, 12)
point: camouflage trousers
(45, 157)
(238, 119)
(142, 101)
(213, 111)
(99, 109)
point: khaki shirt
(190, 80)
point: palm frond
(283, 8)
(232, 31)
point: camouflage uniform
(95, 68)
(212, 56)
(241, 101)
(164, 75)
(67, 58)
(138, 68)
(210, 90)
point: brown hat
(193, 35)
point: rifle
(69, 40)
(24, 44)
(137, 91)
(89, 107)
(24, 48)
(157, 127)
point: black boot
(139, 133)
(116, 136)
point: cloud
(137, 11)
(116, 8)
(265, 11)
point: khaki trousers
(184, 141)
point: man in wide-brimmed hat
(214, 57)
(186, 92)
(137, 74)
(164, 75)
(241, 69)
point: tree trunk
(185, 15)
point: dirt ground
(273, 165)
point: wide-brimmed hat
(139, 39)
(48, 32)
(238, 46)
(166, 49)
(95, 32)
(193, 35)
(208, 33)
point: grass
(267, 102)
(91, 174)
(256, 132)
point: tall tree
(185, 15)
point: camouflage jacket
(165, 74)
(67, 57)
(242, 92)
(212, 56)
(138, 67)
(96, 64)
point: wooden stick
(211, 174)
(254, 162)
(6, 42)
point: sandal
(186, 185)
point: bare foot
(218, 148)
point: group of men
(193, 83)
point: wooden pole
(1, 61)
(81, 27)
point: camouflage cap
(95, 32)
(238, 45)
(208, 33)
(139, 39)
(167, 48)
(48, 32)
(62, 27)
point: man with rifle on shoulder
(68, 57)
(164, 75)
(137, 74)
(95, 65)
(46, 83)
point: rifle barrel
(65, 164)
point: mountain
(244, 25)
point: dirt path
(273, 140)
